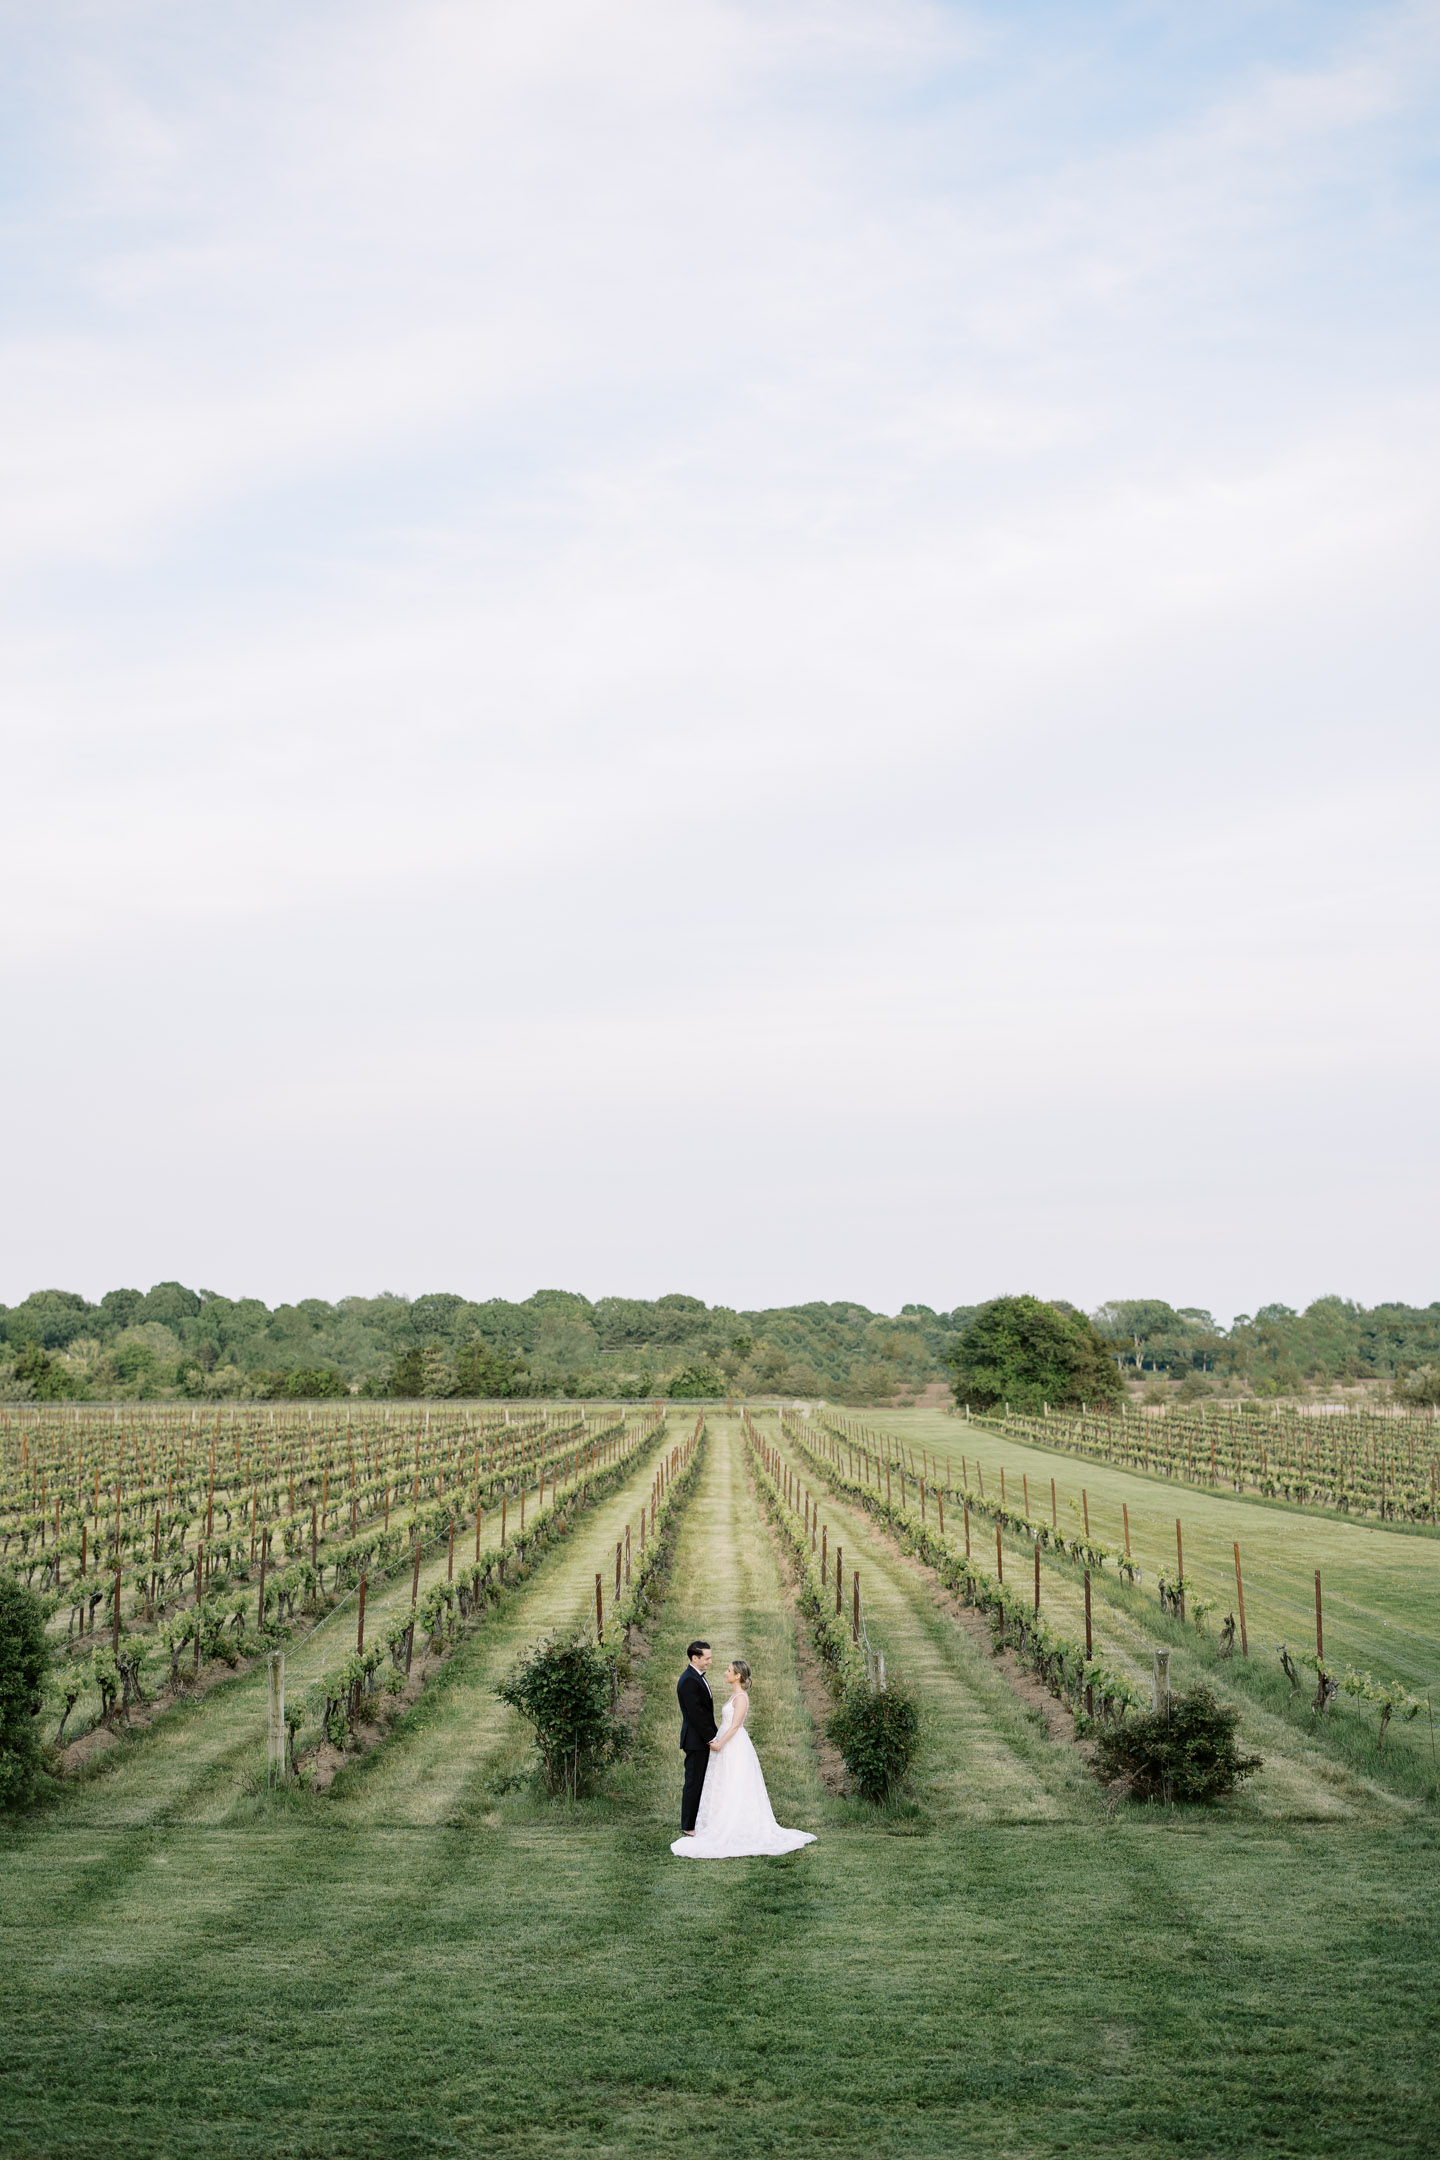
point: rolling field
(430, 1959)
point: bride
(735, 1815)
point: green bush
(876, 1730)
(566, 1687)
(1188, 1752)
(24, 1662)
(698, 1383)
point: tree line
(172, 1342)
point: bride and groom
(725, 1811)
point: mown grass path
(984, 1758)
(295, 1982)
(436, 1766)
(727, 1587)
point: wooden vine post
(1240, 1601)
(855, 1593)
(360, 1624)
(1179, 1567)
(999, 1556)
(599, 1611)
(1319, 1622)
(1089, 1649)
(1161, 1682)
(276, 1766)
(1037, 1577)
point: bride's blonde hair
(742, 1671)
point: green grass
(1023, 1977)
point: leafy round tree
(24, 1659)
(1022, 1351)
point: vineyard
(1299, 1615)
(170, 1550)
(1361, 1462)
(391, 1940)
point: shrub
(566, 1688)
(876, 1730)
(1186, 1753)
(698, 1383)
(24, 1661)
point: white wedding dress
(735, 1816)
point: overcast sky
(786, 650)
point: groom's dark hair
(695, 1649)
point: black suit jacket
(697, 1712)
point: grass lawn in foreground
(311, 1980)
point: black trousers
(697, 1761)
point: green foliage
(407, 1374)
(24, 1664)
(1420, 1388)
(46, 1377)
(172, 1342)
(313, 1383)
(566, 1687)
(488, 1373)
(697, 1383)
(1027, 1353)
(876, 1730)
(1188, 1752)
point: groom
(697, 1730)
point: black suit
(697, 1730)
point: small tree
(1187, 1752)
(1022, 1351)
(24, 1662)
(876, 1730)
(566, 1688)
